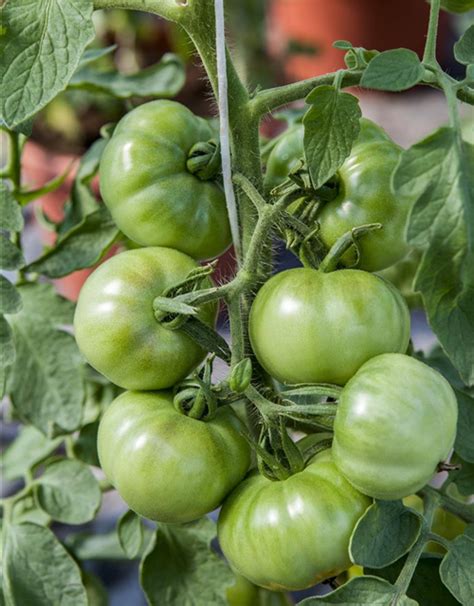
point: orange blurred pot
(41, 165)
(373, 24)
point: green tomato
(245, 593)
(307, 326)
(166, 466)
(364, 195)
(284, 157)
(291, 534)
(402, 275)
(115, 326)
(152, 196)
(395, 421)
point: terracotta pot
(373, 24)
(41, 165)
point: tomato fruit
(244, 593)
(285, 156)
(395, 421)
(402, 275)
(293, 533)
(116, 329)
(166, 466)
(152, 196)
(364, 195)
(307, 326)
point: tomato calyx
(204, 160)
(342, 245)
(195, 397)
(278, 457)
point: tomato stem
(342, 245)
(431, 502)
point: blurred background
(273, 42)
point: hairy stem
(429, 55)
(403, 582)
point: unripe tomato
(244, 593)
(364, 195)
(166, 466)
(307, 326)
(152, 196)
(284, 157)
(395, 421)
(115, 326)
(291, 534)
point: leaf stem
(403, 581)
(429, 55)
(462, 510)
(270, 99)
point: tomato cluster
(395, 418)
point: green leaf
(10, 255)
(52, 397)
(464, 444)
(96, 592)
(81, 247)
(456, 569)
(7, 345)
(11, 217)
(27, 510)
(10, 300)
(164, 79)
(68, 492)
(42, 46)
(362, 591)
(180, 568)
(385, 533)
(342, 44)
(38, 571)
(464, 477)
(437, 174)
(130, 534)
(85, 445)
(393, 70)
(86, 546)
(464, 47)
(469, 531)
(425, 586)
(29, 447)
(27, 196)
(331, 125)
(90, 55)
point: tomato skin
(364, 195)
(291, 534)
(395, 421)
(153, 198)
(312, 327)
(115, 327)
(165, 465)
(284, 157)
(244, 593)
